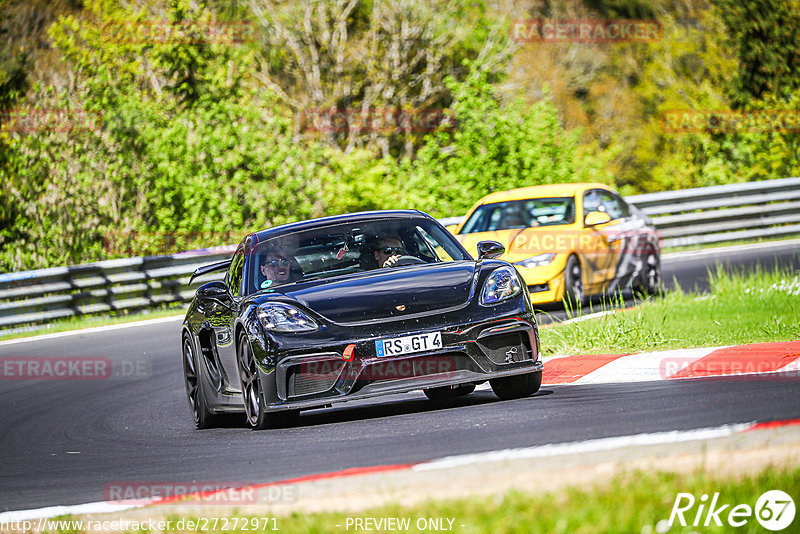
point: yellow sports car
(568, 241)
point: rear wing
(213, 267)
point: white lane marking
(93, 329)
(53, 511)
(582, 447)
(690, 254)
(645, 366)
(587, 317)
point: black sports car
(350, 307)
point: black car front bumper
(315, 376)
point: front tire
(448, 392)
(257, 415)
(202, 416)
(517, 387)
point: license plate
(408, 344)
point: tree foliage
(764, 35)
(148, 137)
(178, 145)
(352, 56)
(493, 143)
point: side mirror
(596, 217)
(489, 250)
(213, 290)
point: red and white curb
(769, 359)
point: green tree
(764, 35)
(358, 55)
(185, 144)
(493, 143)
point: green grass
(740, 308)
(77, 323)
(631, 502)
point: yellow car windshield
(521, 214)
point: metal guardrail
(684, 217)
(718, 213)
(126, 284)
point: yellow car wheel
(573, 283)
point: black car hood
(385, 293)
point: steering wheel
(408, 260)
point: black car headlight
(279, 317)
(502, 284)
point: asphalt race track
(62, 442)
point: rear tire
(517, 387)
(649, 282)
(449, 392)
(574, 294)
(257, 415)
(202, 416)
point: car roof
(540, 191)
(333, 219)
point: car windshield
(521, 214)
(347, 248)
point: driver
(389, 250)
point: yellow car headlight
(540, 260)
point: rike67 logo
(774, 510)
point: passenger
(279, 268)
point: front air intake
(506, 348)
(314, 377)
